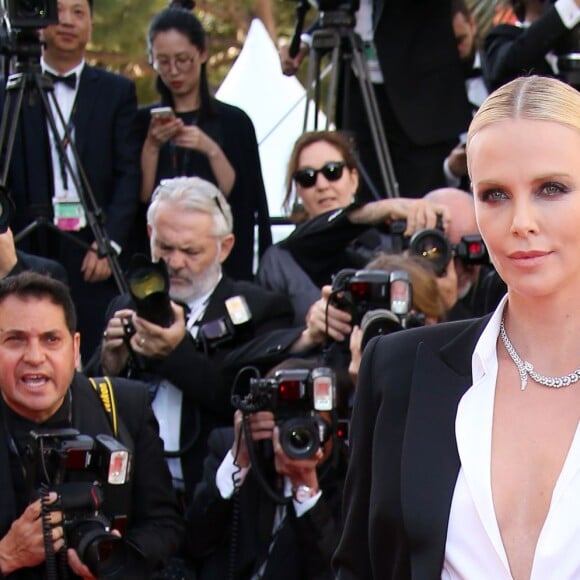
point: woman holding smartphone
(190, 133)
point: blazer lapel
(430, 462)
(215, 307)
(84, 106)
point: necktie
(69, 80)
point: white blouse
(474, 549)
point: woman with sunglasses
(201, 136)
(333, 231)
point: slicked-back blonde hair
(534, 98)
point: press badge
(69, 216)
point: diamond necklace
(527, 370)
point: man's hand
(457, 161)
(77, 566)
(291, 65)
(114, 352)
(355, 353)
(8, 258)
(419, 213)
(324, 318)
(261, 426)
(23, 545)
(95, 269)
(155, 341)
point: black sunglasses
(307, 177)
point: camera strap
(104, 389)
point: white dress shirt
(65, 97)
(474, 547)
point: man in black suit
(420, 90)
(98, 108)
(228, 325)
(528, 48)
(39, 350)
(289, 540)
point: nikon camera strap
(104, 389)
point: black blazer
(39, 264)
(512, 51)
(427, 98)
(404, 459)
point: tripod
(338, 37)
(28, 80)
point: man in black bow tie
(98, 108)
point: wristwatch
(303, 493)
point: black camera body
(91, 479)
(433, 245)
(22, 14)
(294, 396)
(379, 301)
(366, 290)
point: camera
(294, 396)
(366, 290)
(236, 322)
(148, 284)
(433, 245)
(30, 13)
(379, 301)
(90, 477)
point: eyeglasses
(182, 63)
(307, 177)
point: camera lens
(299, 437)
(432, 245)
(376, 323)
(103, 553)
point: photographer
(336, 231)
(528, 47)
(329, 319)
(39, 350)
(224, 325)
(243, 526)
(467, 289)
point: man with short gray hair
(219, 324)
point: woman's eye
(493, 195)
(553, 188)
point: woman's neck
(186, 103)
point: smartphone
(164, 114)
